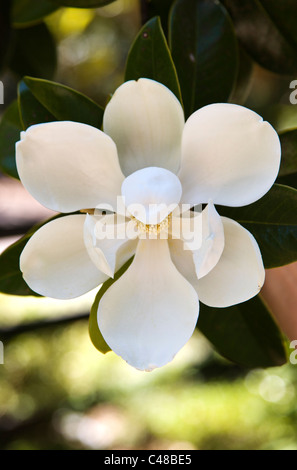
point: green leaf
(243, 83)
(31, 110)
(204, 50)
(64, 103)
(95, 334)
(288, 168)
(288, 141)
(273, 222)
(28, 12)
(81, 3)
(150, 57)
(10, 129)
(34, 52)
(245, 334)
(268, 38)
(288, 180)
(11, 279)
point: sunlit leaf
(95, 334)
(245, 334)
(34, 52)
(267, 30)
(273, 222)
(150, 57)
(27, 12)
(10, 128)
(204, 50)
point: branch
(9, 332)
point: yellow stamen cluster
(152, 229)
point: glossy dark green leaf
(288, 180)
(243, 82)
(10, 128)
(81, 3)
(281, 116)
(28, 12)
(31, 110)
(64, 103)
(5, 31)
(245, 334)
(11, 279)
(263, 36)
(273, 222)
(34, 52)
(150, 57)
(204, 50)
(288, 169)
(95, 334)
(289, 152)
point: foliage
(205, 51)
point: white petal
(213, 242)
(55, 262)
(107, 242)
(151, 194)
(151, 311)
(69, 166)
(229, 155)
(184, 261)
(146, 121)
(192, 262)
(239, 274)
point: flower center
(152, 229)
(150, 195)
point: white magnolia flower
(224, 154)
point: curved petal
(239, 274)
(229, 155)
(55, 262)
(213, 241)
(69, 166)
(183, 261)
(202, 247)
(108, 243)
(151, 311)
(146, 121)
(151, 194)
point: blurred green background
(57, 391)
